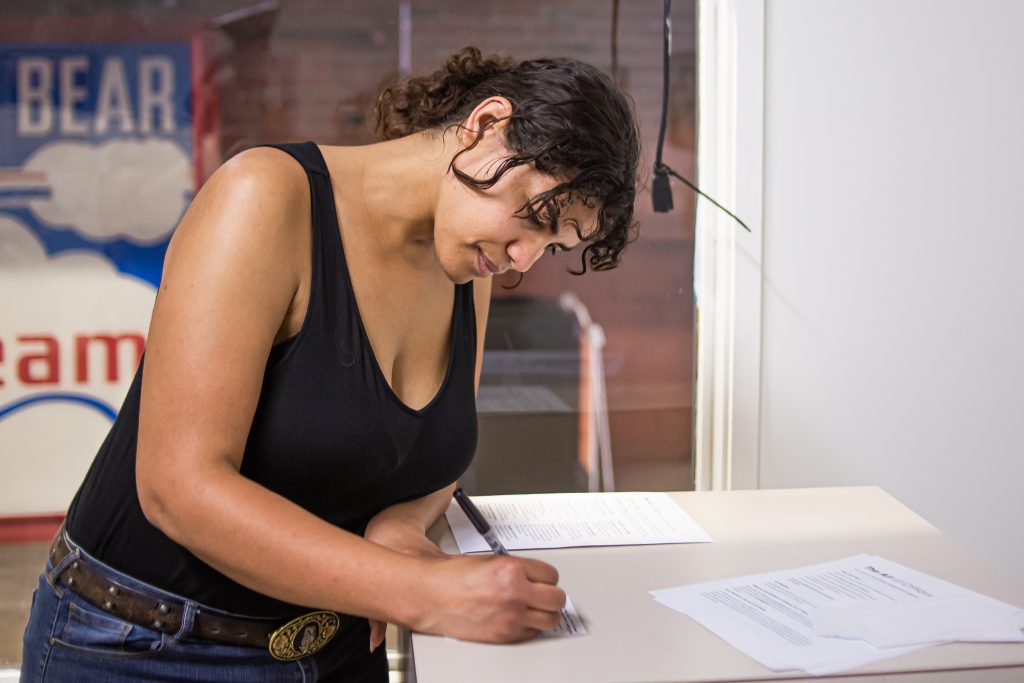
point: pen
(478, 522)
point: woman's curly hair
(568, 119)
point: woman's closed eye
(541, 222)
(537, 222)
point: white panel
(893, 281)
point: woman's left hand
(403, 537)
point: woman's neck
(393, 187)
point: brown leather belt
(298, 638)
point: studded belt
(297, 638)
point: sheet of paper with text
(565, 520)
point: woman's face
(477, 233)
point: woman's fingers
(539, 590)
(490, 599)
(543, 611)
(495, 599)
(541, 620)
(546, 598)
(378, 630)
(538, 571)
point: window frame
(728, 266)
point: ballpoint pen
(479, 522)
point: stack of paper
(928, 620)
(840, 615)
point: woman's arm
(232, 283)
(403, 527)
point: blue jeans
(67, 640)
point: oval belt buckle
(303, 635)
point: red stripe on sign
(13, 174)
(30, 528)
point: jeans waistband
(141, 603)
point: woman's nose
(524, 252)
(526, 248)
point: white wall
(893, 309)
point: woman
(300, 420)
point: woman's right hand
(490, 599)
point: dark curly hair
(568, 119)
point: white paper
(563, 520)
(569, 625)
(769, 616)
(923, 620)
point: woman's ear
(491, 114)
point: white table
(633, 639)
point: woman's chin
(458, 276)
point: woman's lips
(484, 267)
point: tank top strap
(465, 302)
(330, 289)
(465, 323)
(306, 153)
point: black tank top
(328, 433)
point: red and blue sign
(96, 169)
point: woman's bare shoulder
(259, 196)
(271, 172)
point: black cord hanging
(615, 43)
(661, 189)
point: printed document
(570, 623)
(781, 618)
(564, 520)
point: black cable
(661, 190)
(698, 191)
(667, 41)
(615, 42)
